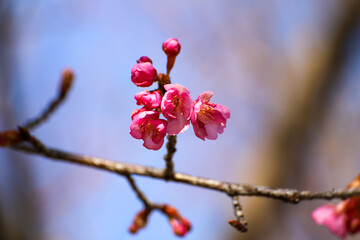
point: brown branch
(66, 82)
(283, 194)
(171, 149)
(139, 194)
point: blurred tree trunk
(19, 218)
(283, 157)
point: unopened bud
(66, 81)
(178, 228)
(143, 74)
(171, 211)
(186, 223)
(242, 227)
(171, 47)
(9, 137)
(144, 59)
(355, 183)
(139, 221)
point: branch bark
(230, 188)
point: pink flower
(147, 126)
(344, 218)
(148, 99)
(335, 221)
(134, 113)
(171, 47)
(208, 119)
(143, 74)
(176, 107)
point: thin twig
(140, 195)
(240, 223)
(66, 82)
(286, 195)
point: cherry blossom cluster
(174, 102)
(343, 218)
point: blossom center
(147, 129)
(177, 101)
(206, 114)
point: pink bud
(143, 74)
(148, 99)
(171, 47)
(334, 221)
(186, 223)
(144, 59)
(178, 228)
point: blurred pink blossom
(208, 119)
(328, 216)
(342, 219)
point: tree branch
(230, 188)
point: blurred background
(289, 71)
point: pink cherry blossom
(143, 74)
(329, 216)
(149, 99)
(344, 218)
(171, 47)
(176, 107)
(208, 119)
(147, 126)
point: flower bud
(144, 59)
(66, 81)
(139, 221)
(9, 137)
(178, 228)
(171, 211)
(171, 47)
(149, 99)
(143, 74)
